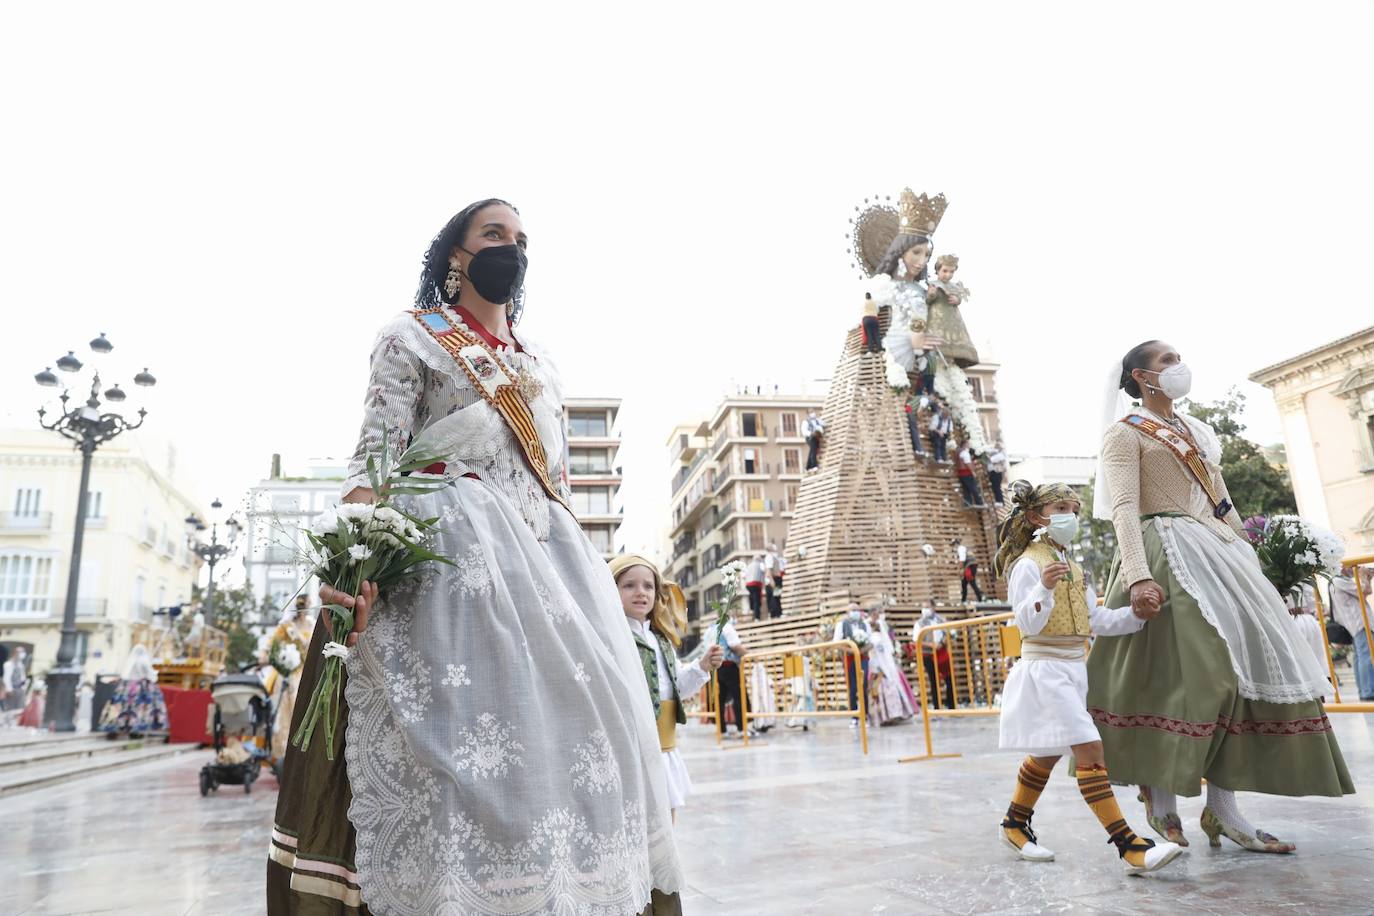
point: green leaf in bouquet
(372, 476)
(422, 552)
(417, 463)
(414, 489)
(420, 522)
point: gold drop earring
(454, 281)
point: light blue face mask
(1063, 528)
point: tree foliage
(237, 612)
(1257, 487)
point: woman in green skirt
(1219, 686)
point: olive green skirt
(1166, 703)
(310, 868)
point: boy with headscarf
(1044, 706)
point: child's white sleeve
(1111, 621)
(1031, 602)
(690, 678)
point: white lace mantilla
(1266, 649)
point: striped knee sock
(1097, 792)
(1030, 782)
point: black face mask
(498, 273)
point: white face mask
(1063, 528)
(1176, 381)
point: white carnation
(327, 522)
(358, 552)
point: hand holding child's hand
(713, 659)
(1051, 575)
(1146, 598)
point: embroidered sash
(1185, 452)
(497, 385)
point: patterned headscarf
(669, 615)
(1016, 530)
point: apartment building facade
(735, 478)
(594, 475)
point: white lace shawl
(415, 384)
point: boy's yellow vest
(1070, 614)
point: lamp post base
(60, 712)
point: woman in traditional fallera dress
(1219, 686)
(499, 755)
(294, 629)
(893, 701)
(137, 706)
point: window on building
(749, 423)
(162, 594)
(753, 498)
(28, 502)
(591, 500)
(600, 536)
(751, 462)
(286, 504)
(791, 497)
(789, 423)
(756, 536)
(589, 461)
(976, 386)
(791, 460)
(95, 504)
(25, 583)
(587, 423)
(140, 609)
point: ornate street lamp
(213, 551)
(89, 426)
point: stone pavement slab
(796, 824)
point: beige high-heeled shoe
(1168, 826)
(1215, 828)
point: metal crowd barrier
(1339, 706)
(984, 666)
(831, 685)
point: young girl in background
(657, 614)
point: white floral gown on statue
(500, 752)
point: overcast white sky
(240, 195)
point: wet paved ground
(800, 823)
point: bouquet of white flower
(365, 542)
(731, 578)
(285, 657)
(1292, 551)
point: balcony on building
(24, 522)
(51, 608)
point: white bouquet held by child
(364, 542)
(731, 579)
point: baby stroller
(243, 732)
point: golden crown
(920, 215)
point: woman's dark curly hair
(435, 269)
(1138, 358)
(899, 246)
